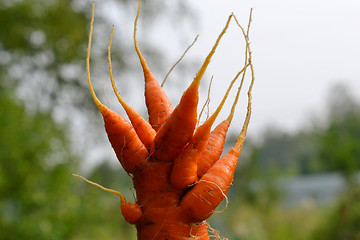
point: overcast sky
(300, 48)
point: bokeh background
(298, 176)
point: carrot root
(142, 127)
(177, 131)
(130, 211)
(157, 102)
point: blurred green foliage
(39, 199)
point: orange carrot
(179, 127)
(216, 141)
(142, 127)
(184, 171)
(158, 104)
(130, 211)
(183, 179)
(130, 151)
(214, 184)
(217, 137)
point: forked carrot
(177, 188)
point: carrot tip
(141, 58)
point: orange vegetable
(178, 175)
(142, 127)
(157, 102)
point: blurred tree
(342, 222)
(39, 199)
(340, 140)
(43, 48)
(35, 161)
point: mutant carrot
(172, 198)
(142, 127)
(157, 102)
(130, 151)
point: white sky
(300, 48)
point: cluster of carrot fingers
(176, 167)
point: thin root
(206, 104)
(122, 198)
(96, 100)
(201, 72)
(182, 56)
(239, 142)
(122, 102)
(215, 233)
(222, 193)
(142, 60)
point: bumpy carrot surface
(177, 171)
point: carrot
(216, 140)
(130, 151)
(184, 171)
(176, 189)
(179, 127)
(215, 183)
(158, 104)
(217, 137)
(142, 127)
(130, 211)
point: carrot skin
(162, 216)
(184, 170)
(142, 128)
(131, 212)
(178, 129)
(128, 148)
(158, 104)
(169, 223)
(213, 148)
(201, 201)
